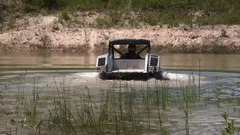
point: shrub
(64, 15)
(170, 12)
(34, 5)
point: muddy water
(222, 62)
(219, 91)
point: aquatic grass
(33, 103)
(188, 97)
(229, 127)
(122, 108)
(63, 115)
(147, 104)
(158, 103)
(164, 95)
(27, 105)
(125, 110)
(185, 107)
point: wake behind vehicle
(115, 65)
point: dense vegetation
(153, 12)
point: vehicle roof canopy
(129, 41)
(144, 42)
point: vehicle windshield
(129, 51)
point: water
(213, 62)
(219, 92)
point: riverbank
(49, 33)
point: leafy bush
(64, 15)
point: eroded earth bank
(48, 33)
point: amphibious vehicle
(113, 65)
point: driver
(131, 54)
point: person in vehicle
(131, 54)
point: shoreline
(48, 33)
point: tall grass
(229, 127)
(127, 107)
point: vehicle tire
(158, 75)
(102, 75)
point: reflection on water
(213, 62)
(222, 62)
(46, 60)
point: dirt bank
(50, 34)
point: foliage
(34, 5)
(153, 12)
(229, 127)
(1, 14)
(1, 20)
(90, 4)
(64, 14)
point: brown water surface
(213, 62)
(218, 92)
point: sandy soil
(49, 33)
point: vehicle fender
(146, 63)
(154, 63)
(109, 63)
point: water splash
(176, 76)
(87, 75)
(167, 75)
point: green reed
(62, 110)
(123, 108)
(186, 96)
(158, 103)
(229, 127)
